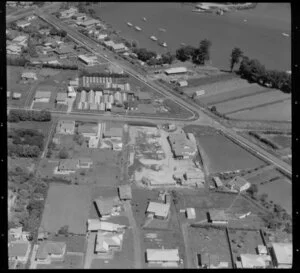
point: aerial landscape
(149, 135)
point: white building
(176, 70)
(190, 213)
(158, 210)
(160, 256)
(108, 242)
(88, 60)
(182, 83)
(71, 92)
(282, 254)
(29, 76)
(68, 13)
(238, 184)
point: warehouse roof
(175, 70)
(162, 255)
(283, 252)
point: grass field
(209, 80)
(174, 109)
(280, 192)
(250, 102)
(285, 141)
(211, 241)
(71, 261)
(74, 243)
(67, 205)
(243, 242)
(281, 111)
(218, 162)
(264, 176)
(236, 93)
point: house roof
(252, 261)
(218, 181)
(159, 209)
(64, 50)
(68, 164)
(175, 70)
(125, 192)
(17, 231)
(18, 248)
(238, 182)
(96, 224)
(42, 94)
(283, 252)
(105, 205)
(113, 132)
(164, 255)
(50, 248)
(218, 215)
(20, 38)
(191, 213)
(105, 240)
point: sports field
(67, 205)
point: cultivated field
(281, 111)
(251, 102)
(280, 192)
(218, 162)
(264, 177)
(234, 94)
(210, 241)
(66, 205)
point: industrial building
(176, 70)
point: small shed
(190, 213)
(125, 192)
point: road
(136, 236)
(189, 106)
(90, 250)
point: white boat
(285, 34)
(163, 44)
(129, 24)
(162, 29)
(144, 19)
(153, 38)
(138, 28)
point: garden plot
(244, 241)
(281, 111)
(153, 152)
(211, 241)
(66, 205)
(251, 102)
(280, 192)
(218, 87)
(234, 94)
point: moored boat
(129, 24)
(138, 28)
(163, 44)
(153, 38)
(144, 19)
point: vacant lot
(281, 111)
(42, 127)
(284, 141)
(174, 109)
(264, 176)
(71, 261)
(211, 241)
(218, 149)
(196, 82)
(251, 102)
(123, 259)
(280, 192)
(66, 205)
(234, 94)
(74, 243)
(243, 242)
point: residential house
(96, 225)
(262, 250)
(107, 242)
(88, 23)
(29, 76)
(182, 83)
(238, 184)
(158, 210)
(190, 213)
(105, 205)
(102, 36)
(217, 181)
(66, 127)
(19, 251)
(217, 217)
(176, 70)
(282, 254)
(20, 40)
(125, 192)
(13, 49)
(88, 60)
(64, 51)
(198, 93)
(71, 92)
(161, 256)
(49, 250)
(42, 96)
(80, 16)
(68, 13)
(16, 96)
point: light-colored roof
(218, 181)
(106, 240)
(96, 224)
(175, 70)
(20, 38)
(159, 209)
(50, 248)
(163, 255)
(125, 192)
(283, 252)
(238, 182)
(29, 74)
(252, 261)
(262, 249)
(42, 94)
(18, 248)
(191, 213)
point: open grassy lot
(24, 163)
(66, 205)
(264, 177)
(74, 243)
(281, 111)
(280, 192)
(123, 259)
(209, 80)
(174, 109)
(243, 241)
(284, 141)
(251, 102)
(71, 261)
(14, 84)
(211, 241)
(42, 127)
(218, 162)
(234, 94)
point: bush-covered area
(99, 74)
(16, 61)
(16, 115)
(264, 140)
(61, 66)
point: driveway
(89, 255)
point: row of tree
(87, 73)
(16, 61)
(16, 115)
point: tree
(185, 53)
(264, 197)
(235, 57)
(204, 47)
(63, 153)
(167, 58)
(92, 12)
(253, 189)
(78, 138)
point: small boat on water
(285, 34)
(163, 44)
(153, 38)
(183, 44)
(129, 24)
(162, 29)
(138, 28)
(144, 19)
